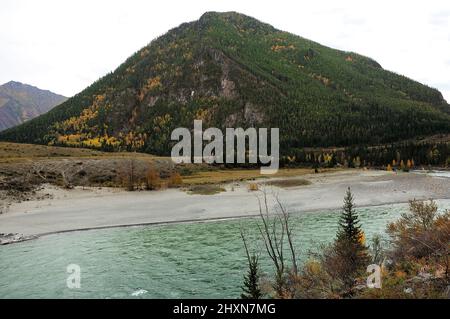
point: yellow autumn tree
(409, 164)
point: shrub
(153, 180)
(422, 233)
(128, 175)
(175, 180)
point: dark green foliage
(349, 245)
(234, 71)
(349, 228)
(251, 288)
(423, 153)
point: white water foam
(139, 292)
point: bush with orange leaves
(419, 255)
(153, 179)
(422, 235)
(175, 180)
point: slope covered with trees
(231, 70)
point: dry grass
(91, 167)
(79, 166)
(286, 183)
(69, 167)
(239, 175)
(13, 152)
(205, 189)
(220, 176)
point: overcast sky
(65, 45)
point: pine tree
(251, 280)
(349, 228)
(350, 243)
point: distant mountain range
(21, 102)
(231, 70)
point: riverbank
(91, 208)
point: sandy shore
(81, 209)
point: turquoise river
(195, 260)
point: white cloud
(66, 45)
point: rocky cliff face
(20, 103)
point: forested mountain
(21, 102)
(231, 70)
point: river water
(197, 260)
